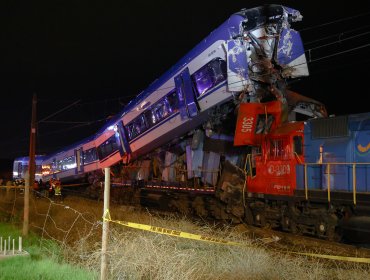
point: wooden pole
(104, 265)
(31, 169)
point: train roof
(112, 121)
(71, 146)
(221, 33)
(26, 158)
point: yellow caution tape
(177, 233)
(336, 258)
(166, 231)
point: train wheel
(334, 234)
(321, 229)
(260, 220)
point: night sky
(89, 58)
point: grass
(19, 268)
(136, 254)
(43, 262)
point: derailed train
(216, 136)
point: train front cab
(278, 147)
(273, 170)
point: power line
(338, 41)
(67, 122)
(338, 53)
(61, 110)
(340, 34)
(335, 21)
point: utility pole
(31, 168)
(105, 234)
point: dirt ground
(78, 218)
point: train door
(281, 151)
(124, 145)
(79, 161)
(187, 103)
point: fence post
(104, 265)
(26, 210)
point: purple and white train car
(72, 162)
(235, 58)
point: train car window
(46, 169)
(108, 147)
(278, 149)
(173, 101)
(89, 156)
(150, 118)
(158, 112)
(131, 131)
(68, 163)
(297, 145)
(140, 125)
(264, 123)
(59, 166)
(209, 75)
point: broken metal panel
(211, 163)
(194, 155)
(237, 65)
(290, 54)
(293, 15)
(143, 172)
(169, 173)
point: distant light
(70, 166)
(110, 127)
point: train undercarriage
(229, 200)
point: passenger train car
(215, 135)
(72, 163)
(20, 167)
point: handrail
(329, 166)
(354, 183)
(328, 182)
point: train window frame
(68, 163)
(264, 123)
(211, 76)
(102, 149)
(278, 148)
(89, 156)
(150, 118)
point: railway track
(280, 240)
